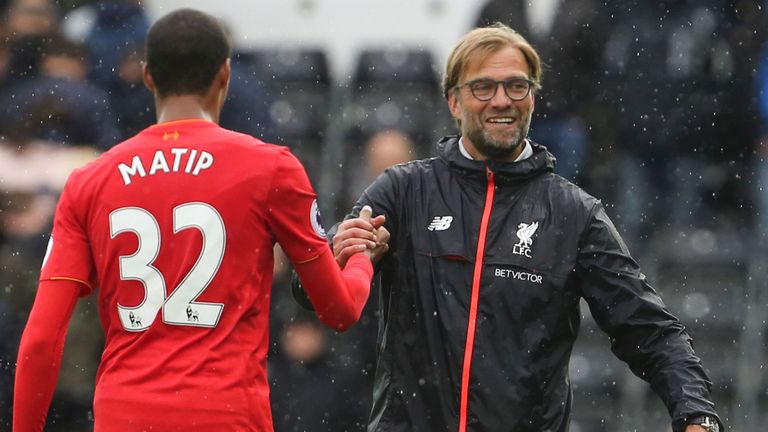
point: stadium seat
(396, 88)
(299, 90)
(401, 66)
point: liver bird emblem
(524, 233)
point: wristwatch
(707, 422)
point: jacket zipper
(474, 300)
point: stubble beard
(495, 149)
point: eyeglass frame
(531, 85)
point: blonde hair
(482, 42)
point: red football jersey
(176, 227)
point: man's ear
(224, 74)
(147, 78)
(533, 100)
(454, 104)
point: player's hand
(357, 235)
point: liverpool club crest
(524, 233)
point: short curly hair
(185, 50)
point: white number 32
(179, 308)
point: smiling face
(494, 129)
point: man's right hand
(361, 234)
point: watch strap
(707, 421)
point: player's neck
(184, 107)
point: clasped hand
(361, 234)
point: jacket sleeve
(382, 195)
(643, 333)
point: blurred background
(658, 108)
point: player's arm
(381, 197)
(40, 352)
(337, 296)
(339, 309)
(358, 234)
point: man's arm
(40, 352)
(644, 333)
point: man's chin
(502, 151)
(498, 153)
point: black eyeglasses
(484, 89)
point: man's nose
(500, 98)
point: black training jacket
(479, 299)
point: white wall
(340, 27)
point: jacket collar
(540, 162)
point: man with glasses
(489, 256)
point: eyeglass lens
(516, 89)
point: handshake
(361, 234)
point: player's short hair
(185, 49)
(480, 43)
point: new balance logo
(440, 223)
